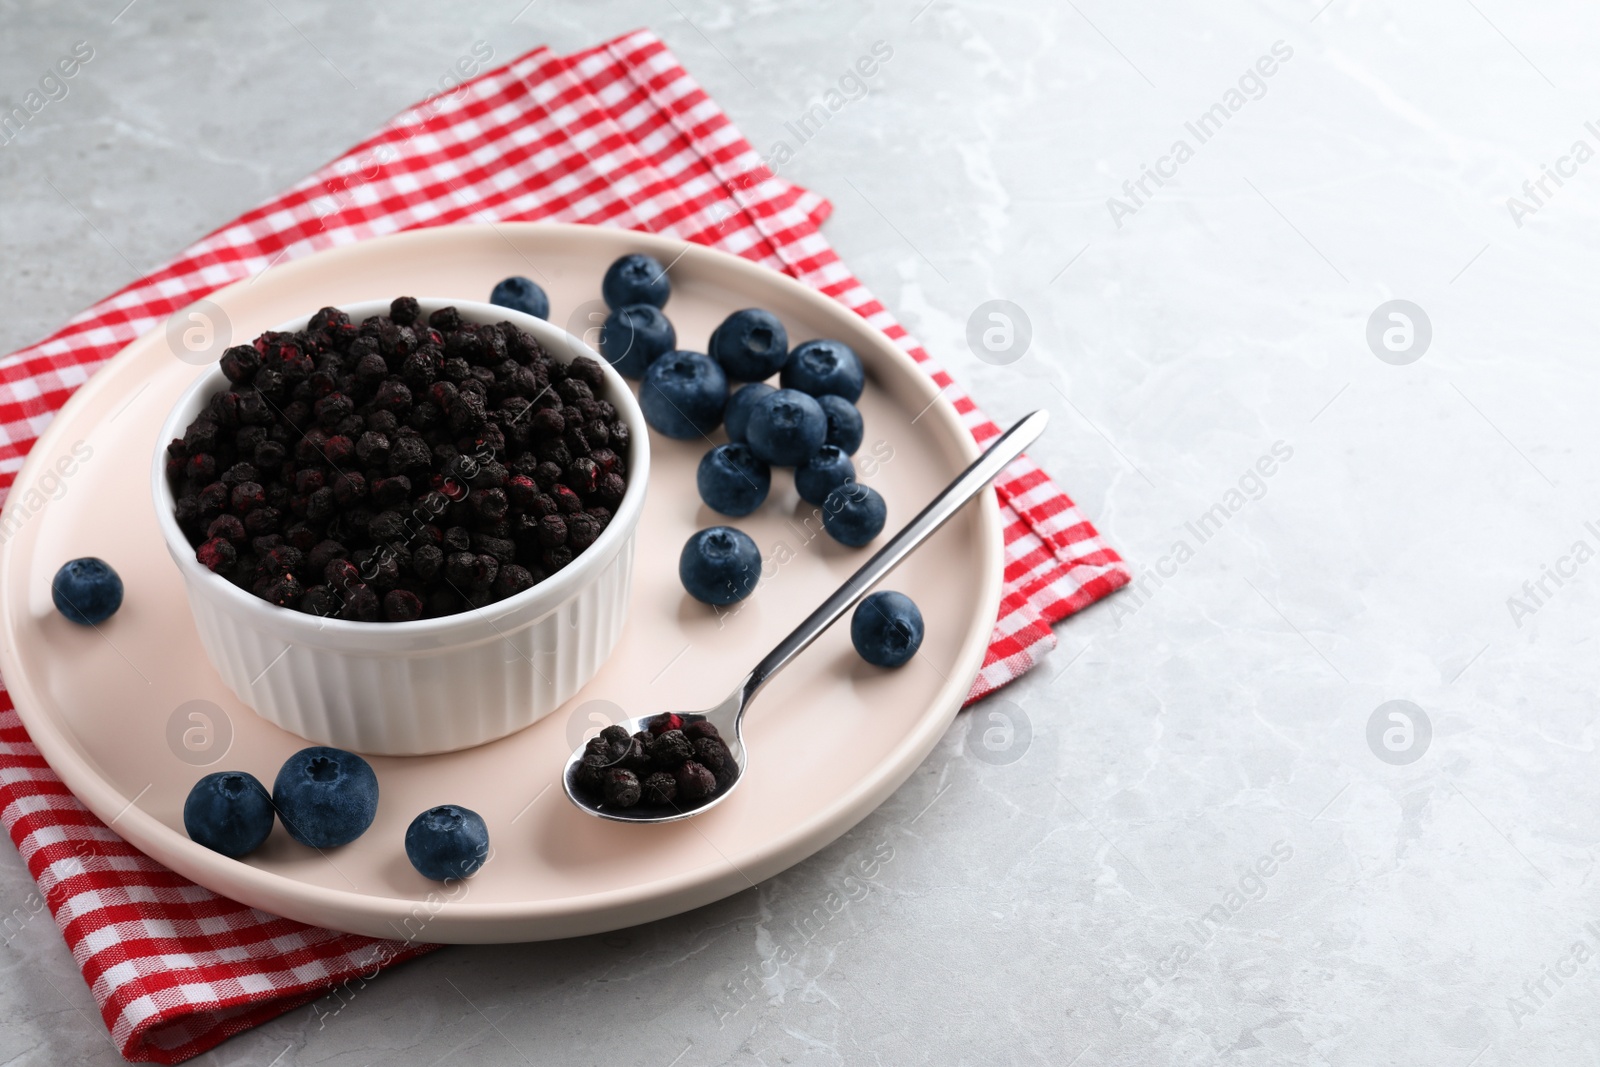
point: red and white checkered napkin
(618, 135)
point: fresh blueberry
(635, 336)
(854, 514)
(683, 395)
(736, 416)
(732, 480)
(844, 422)
(228, 812)
(447, 842)
(719, 565)
(326, 797)
(636, 279)
(822, 367)
(87, 591)
(785, 427)
(751, 345)
(521, 294)
(886, 629)
(826, 470)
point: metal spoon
(728, 716)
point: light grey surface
(1051, 907)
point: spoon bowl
(725, 717)
(728, 716)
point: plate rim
(459, 920)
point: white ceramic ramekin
(434, 685)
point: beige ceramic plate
(113, 710)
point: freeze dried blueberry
(489, 505)
(616, 739)
(393, 396)
(552, 531)
(228, 527)
(320, 600)
(361, 604)
(660, 788)
(610, 489)
(281, 560)
(704, 728)
(284, 591)
(301, 535)
(621, 787)
(387, 526)
(321, 504)
(590, 767)
(263, 520)
(311, 447)
(349, 488)
(512, 580)
(660, 724)
(581, 475)
(427, 561)
(554, 451)
(546, 475)
(339, 451)
(269, 455)
(490, 475)
(401, 606)
(331, 409)
(217, 554)
(201, 436)
(202, 467)
(567, 502)
(404, 310)
(342, 574)
(265, 543)
(328, 317)
(695, 782)
(322, 554)
(371, 369)
(372, 448)
(240, 363)
(470, 572)
(389, 492)
(271, 384)
(583, 369)
(548, 423)
(494, 539)
(213, 500)
(713, 755)
(670, 748)
(582, 530)
(521, 491)
(408, 454)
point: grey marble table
(1214, 838)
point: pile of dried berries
(673, 764)
(398, 469)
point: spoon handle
(966, 486)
